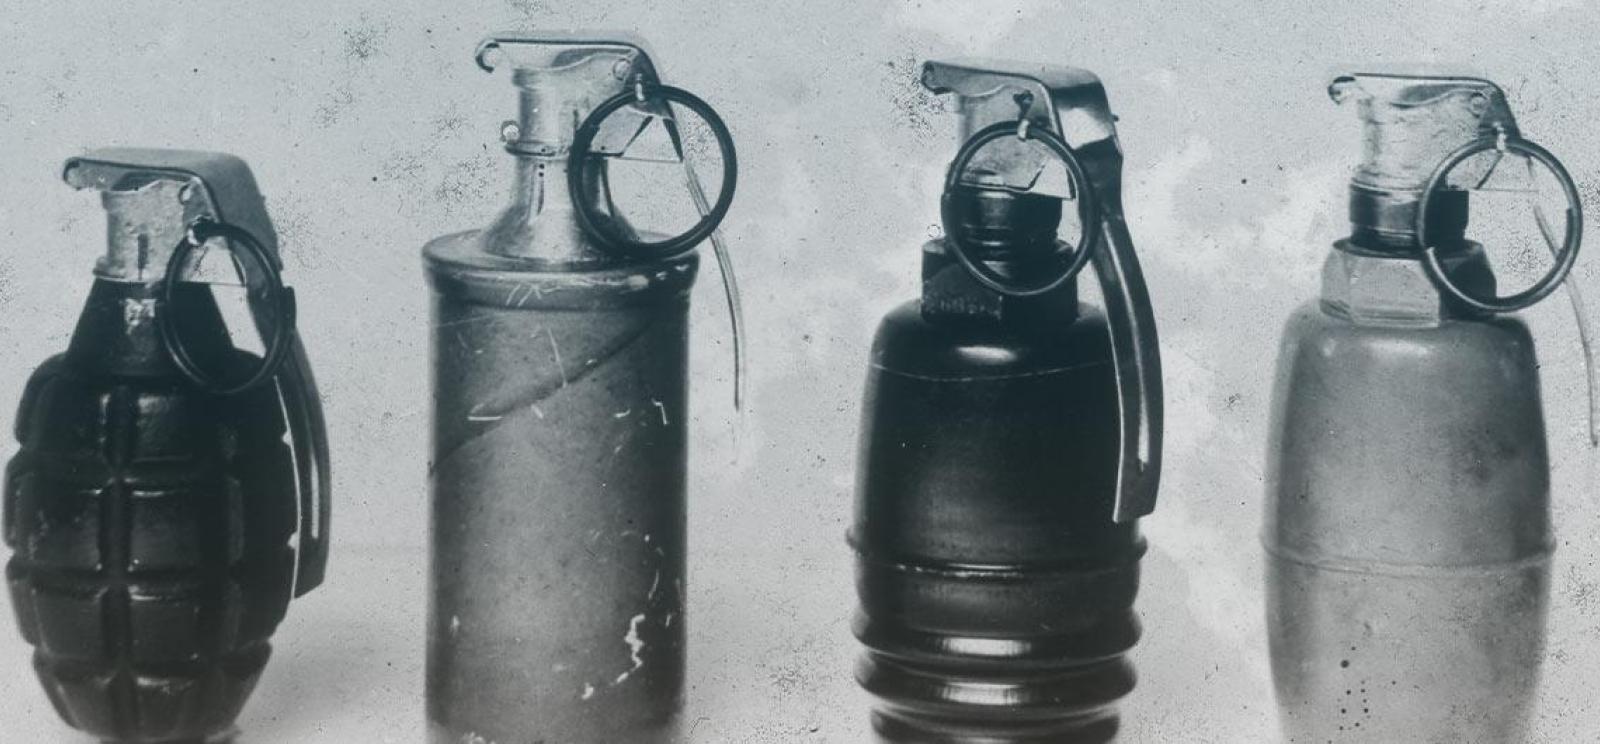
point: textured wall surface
(371, 131)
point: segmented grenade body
(150, 522)
(996, 590)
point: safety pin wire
(730, 284)
(1580, 314)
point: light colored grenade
(1407, 523)
(560, 378)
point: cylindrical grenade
(1407, 523)
(1010, 437)
(560, 384)
(153, 500)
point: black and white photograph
(879, 372)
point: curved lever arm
(308, 436)
(1136, 357)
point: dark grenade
(1011, 438)
(152, 504)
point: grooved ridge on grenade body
(150, 583)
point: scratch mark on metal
(461, 321)
(528, 395)
(526, 292)
(588, 692)
(634, 647)
(662, 408)
(556, 351)
(622, 414)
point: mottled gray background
(371, 131)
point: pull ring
(266, 291)
(1088, 211)
(1565, 256)
(583, 175)
(601, 228)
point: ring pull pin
(1089, 215)
(271, 303)
(583, 171)
(1564, 252)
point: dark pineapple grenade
(151, 518)
(1002, 473)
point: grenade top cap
(561, 78)
(1066, 100)
(1411, 123)
(151, 196)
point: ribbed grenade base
(928, 705)
(1050, 666)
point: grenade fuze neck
(1411, 123)
(559, 81)
(143, 224)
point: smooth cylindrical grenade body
(558, 518)
(150, 522)
(1407, 529)
(996, 591)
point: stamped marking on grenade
(137, 311)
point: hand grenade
(560, 356)
(1407, 523)
(163, 473)
(1011, 436)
